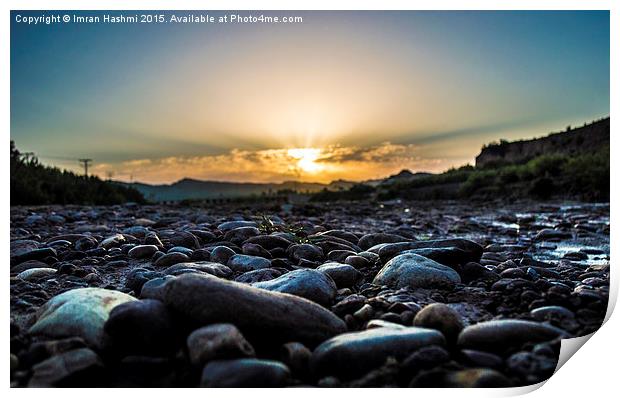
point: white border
(591, 374)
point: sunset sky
(342, 95)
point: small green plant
(267, 226)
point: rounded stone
(141, 327)
(79, 312)
(307, 283)
(259, 275)
(239, 235)
(142, 251)
(552, 312)
(440, 317)
(353, 354)
(36, 273)
(169, 259)
(218, 341)
(221, 254)
(504, 335)
(75, 368)
(343, 275)
(261, 315)
(306, 252)
(469, 378)
(250, 372)
(415, 271)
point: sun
(306, 159)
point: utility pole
(85, 162)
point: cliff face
(575, 141)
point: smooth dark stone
(235, 373)
(353, 354)
(504, 335)
(261, 315)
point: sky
(341, 95)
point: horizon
(344, 95)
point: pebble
(230, 225)
(306, 252)
(142, 251)
(241, 234)
(259, 275)
(33, 274)
(217, 341)
(244, 263)
(343, 275)
(216, 269)
(440, 317)
(169, 259)
(221, 254)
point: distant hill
(192, 189)
(188, 188)
(574, 141)
(570, 165)
(404, 175)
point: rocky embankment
(391, 294)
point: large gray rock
(504, 335)
(79, 312)
(307, 283)
(261, 315)
(243, 263)
(414, 271)
(353, 354)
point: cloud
(275, 165)
(385, 152)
